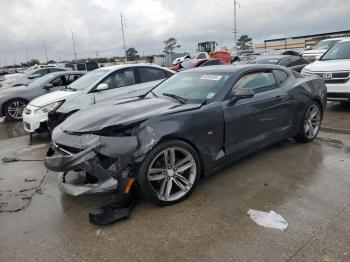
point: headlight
(49, 108)
(305, 71)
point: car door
(258, 120)
(120, 85)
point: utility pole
(47, 58)
(75, 52)
(235, 31)
(97, 55)
(27, 54)
(123, 34)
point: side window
(258, 81)
(58, 81)
(201, 56)
(41, 72)
(54, 70)
(148, 74)
(281, 76)
(299, 61)
(120, 78)
(285, 62)
(71, 78)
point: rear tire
(13, 109)
(169, 173)
(311, 123)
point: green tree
(245, 42)
(170, 45)
(131, 54)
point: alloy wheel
(172, 173)
(312, 121)
(15, 109)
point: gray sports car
(186, 127)
(14, 99)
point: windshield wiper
(153, 94)
(178, 98)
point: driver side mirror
(48, 86)
(241, 93)
(33, 76)
(318, 57)
(101, 87)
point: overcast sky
(26, 24)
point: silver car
(29, 77)
(14, 99)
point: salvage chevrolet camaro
(187, 127)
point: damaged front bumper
(89, 164)
(80, 173)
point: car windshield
(325, 44)
(192, 87)
(86, 80)
(42, 80)
(340, 50)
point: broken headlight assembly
(119, 131)
(49, 108)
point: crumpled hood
(53, 97)
(100, 116)
(329, 65)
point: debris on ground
(30, 179)
(20, 200)
(116, 209)
(269, 220)
(9, 159)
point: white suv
(100, 85)
(319, 49)
(334, 67)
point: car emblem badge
(327, 75)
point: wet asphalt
(308, 184)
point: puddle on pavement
(9, 129)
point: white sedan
(100, 85)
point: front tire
(311, 123)
(169, 173)
(14, 109)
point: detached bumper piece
(88, 168)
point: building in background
(298, 42)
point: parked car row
(334, 67)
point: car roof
(117, 67)
(335, 39)
(66, 72)
(274, 57)
(232, 68)
(344, 40)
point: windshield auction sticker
(211, 77)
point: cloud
(26, 24)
